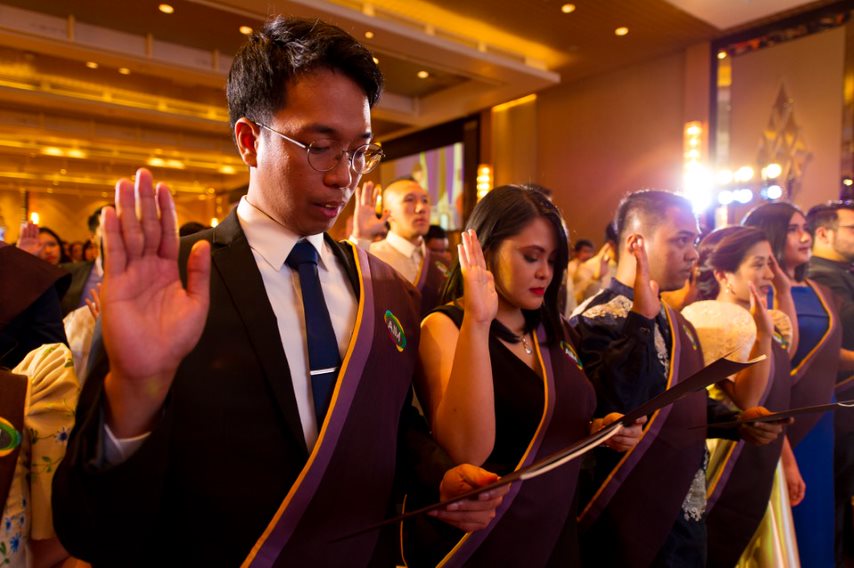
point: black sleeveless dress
(519, 398)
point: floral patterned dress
(48, 419)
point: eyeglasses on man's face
(324, 155)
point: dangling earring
(729, 289)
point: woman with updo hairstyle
(747, 486)
(502, 386)
(813, 377)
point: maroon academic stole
(14, 389)
(431, 281)
(642, 496)
(530, 519)
(738, 495)
(347, 481)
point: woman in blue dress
(814, 367)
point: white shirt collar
(273, 241)
(402, 245)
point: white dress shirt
(271, 243)
(400, 254)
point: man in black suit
(207, 432)
(832, 229)
(86, 274)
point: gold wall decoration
(783, 143)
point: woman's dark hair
(725, 250)
(63, 256)
(286, 48)
(773, 219)
(502, 213)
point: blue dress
(814, 517)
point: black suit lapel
(234, 262)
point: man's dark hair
(581, 243)
(286, 48)
(94, 220)
(649, 204)
(825, 215)
(435, 232)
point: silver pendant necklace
(525, 345)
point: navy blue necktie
(323, 357)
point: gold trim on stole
(831, 322)
(539, 430)
(670, 373)
(320, 437)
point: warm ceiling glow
(166, 8)
(228, 170)
(91, 65)
(52, 151)
(516, 102)
(722, 54)
(376, 61)
(369, 35)
(214, 221)
(423, 74)
(124, 71)
(567, 8)
(621, 31)
(246, 30)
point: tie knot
(302, 253)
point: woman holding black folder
(813, 377)
(502, 385)
(736, 271)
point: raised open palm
(646, 302)
(150, 322)
(366, 224)
(480, 300)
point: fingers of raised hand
(474, 252)
(128, 223)
(114, 246)
(29, 230)
(363, 193)
(147, 211)
(168, 225)
(636, 247)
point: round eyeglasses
(324, 155)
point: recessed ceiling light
(567, 8)
(246, 30)
(63, 171)
(369, 35)
(91, 65)
(423, 74)
(166, 8)
(722, 54)
(124, 71)
(621, 31)
(376, 61)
